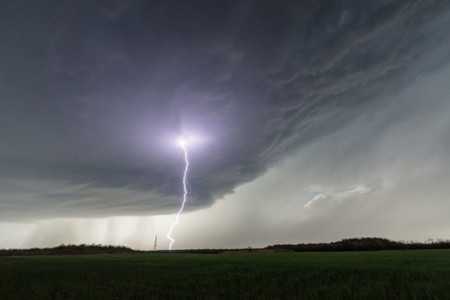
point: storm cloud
(92, 94)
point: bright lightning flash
(183, 143)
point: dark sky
(93, 94)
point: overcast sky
(308, 121)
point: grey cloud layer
(91, 92)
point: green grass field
(414, 274)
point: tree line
(352, 244)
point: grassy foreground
(412, 274)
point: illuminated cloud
(94, 94)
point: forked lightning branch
(183, 143)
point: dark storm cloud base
(91, 92)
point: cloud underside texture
(92, 94)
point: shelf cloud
(92, 96)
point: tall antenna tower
(156, 242)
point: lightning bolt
(185, 193)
